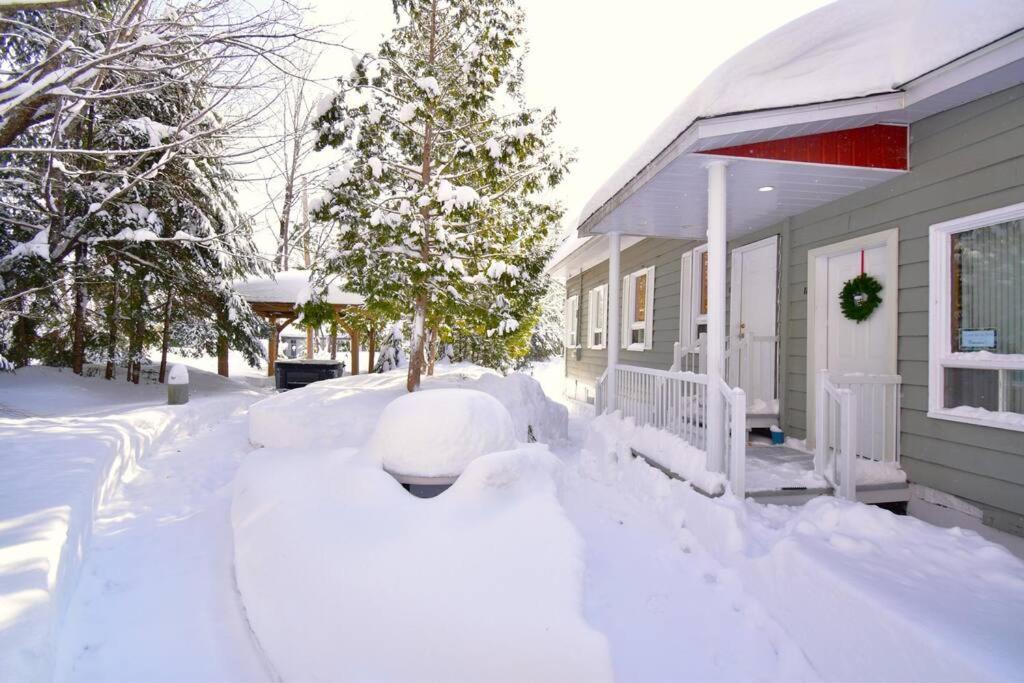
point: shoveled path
(157, 598)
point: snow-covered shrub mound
(345, 576)
(343, 412)
(613, 438)
(437, 433)
(532, 411)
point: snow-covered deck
(781, 474)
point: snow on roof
(290, 287)
(848, 49)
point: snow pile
(58, 471)
(613, 437)
(438, 433)
(343, 412)
(345, 576)
(869, 595)
(847, 49)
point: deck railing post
(848, 477)
(820, 426)
(613, 328)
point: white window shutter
(624, 318)
(591, 318)
(649, 311)
(686, 299)
(568, 323)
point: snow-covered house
(704, 287)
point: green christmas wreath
(859, 297)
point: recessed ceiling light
(766, 188)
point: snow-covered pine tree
(439, 202)
(390, 350)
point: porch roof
(848, 65)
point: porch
(856, 445)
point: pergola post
(272, 346)
(716, 314)
(353, 334)
(614, 325)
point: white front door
(752, 320)
(843, 346)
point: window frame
(940, 353)
(572, 321)
(691, 292)
(592, 329)
(628, 309)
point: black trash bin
(292, 374)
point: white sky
(613, 70)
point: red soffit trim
(879, 146)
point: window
(693, 299)
(637, 309)
(572, 322)
(976, 319)
(597, 317)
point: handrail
(878, 410)
(835, 436)
(735, 426)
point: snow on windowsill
(981, 417)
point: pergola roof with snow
(288, 289)
(854, 64)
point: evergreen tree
(439, 203)
(390, 350)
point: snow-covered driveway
(157, 599)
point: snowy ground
(138, 560)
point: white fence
(735, 439)
(877, 398)
(677, 402)
(690, 358)
(750, 363)
(835, 432)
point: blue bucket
(778, 438)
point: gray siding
(963, 161)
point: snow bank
(868, 595)
(343, 412)
(438, 433)
(290, 287)
(614, 436)
(345, 576)
(846, 49)
(58, 471)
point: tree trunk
(412, 382)
(166, 341)
(334, 340)
(135, 343)
(112, 325)
(432, 350)
(222, 343)
(78, 340)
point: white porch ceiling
(673, 203)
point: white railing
(599, 392)
(878, 414)
(735, 440)
(835, 436)
(750, 362)
(690, 358)
(673, 401)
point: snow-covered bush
(390, 350)
(438, 433)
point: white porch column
(716, 314)
(613, 325)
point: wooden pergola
(274, 299)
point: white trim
(593, 314)
(629, 306)
(817, 310)
(572, 322)
(690, 316)
(940, 354)
(736, 281)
